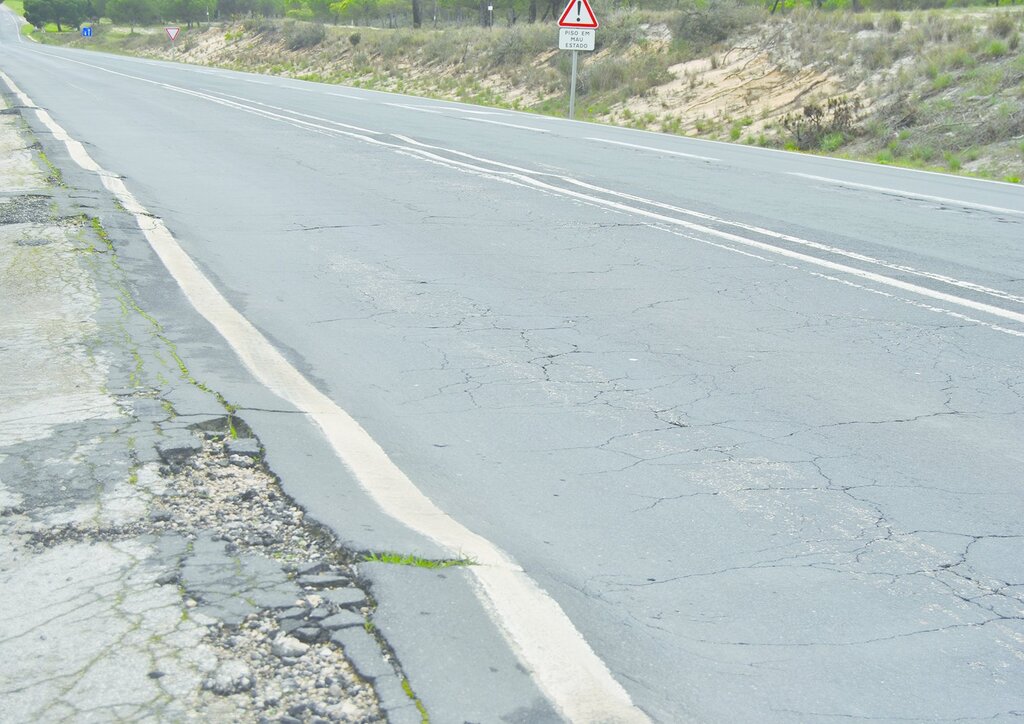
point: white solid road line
(562, 663)
(440, 110)
(652, 148)
(901, 268)
(891, 266)
(476, 112)
(911, 194)
(510, 125)
(528, 179)
(437, 111)
(421, 109)
(224, 101)
(294, 113)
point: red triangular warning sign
(578, 14)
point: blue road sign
(87, 32)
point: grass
(407, 688)
(55, 177)
(407, 559)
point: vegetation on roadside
(891, 81)
(408, 559)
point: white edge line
(908, 194)
(561, 661)
(651, 148)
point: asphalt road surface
(752, 419)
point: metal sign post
(577, 29)
(572, 86)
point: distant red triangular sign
(578, 14)
(172, 33)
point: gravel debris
(273, 640)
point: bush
(265, 26)
(632, 76)
(821, 124)
(995, 49)
(892, 23)
(832, 141)
(303, 35)
(510, 49)
(1002, 26)
(700, 25)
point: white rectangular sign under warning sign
(576, 38)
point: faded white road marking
(911, 194)
(295, 113)
(564, 666)
(652, 148)
(850, 283)
(421, 109)
(510, 125)
(475, 112)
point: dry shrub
(816, 121)
(299, 35)
(1002, 26)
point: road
(751, 419)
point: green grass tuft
(407, 559)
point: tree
(58, 12)
(186, 11)
(98, 9)
(132, 12)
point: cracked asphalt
(764, 450)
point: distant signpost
(577, 30)
(86, 31)
(172, 33)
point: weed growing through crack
(129, 305)
(407, 688)
(407, 559)
(55, 177)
